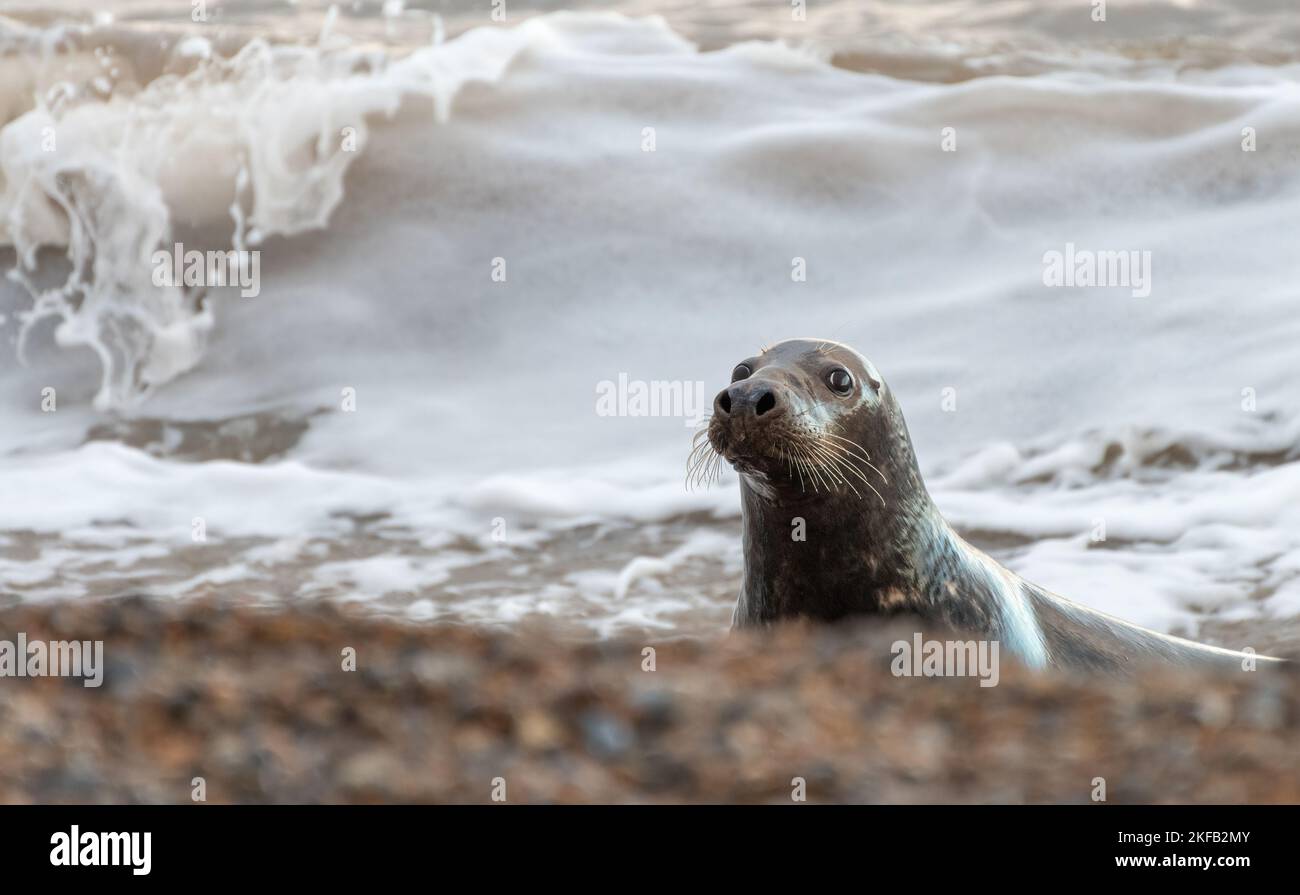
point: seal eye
(840, 381)
(741, 372)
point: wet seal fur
(813, 444)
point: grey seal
(818, 440)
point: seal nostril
(724, 402)
(765, 403)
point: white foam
(475, 399)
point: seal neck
(830, 558)
(825, 557)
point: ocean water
(470, 230)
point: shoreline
(256, 702)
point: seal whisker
(848, 441)
(822, 461)
(835, 468)
(819, 457)
(798, 471)
(841, 451)
(799, 466)
(866, 458)
(806, 467)
(818, 481)
(841, 460)
(789, 463)
(841, 463)
(863, 479)
(703, 464)
(817, 467)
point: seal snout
(798, 419)
(747, 398)
(747, 422)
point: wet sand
(258, 704)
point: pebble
(256, 702)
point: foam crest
(236, 151)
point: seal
(822, 450)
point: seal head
(835, 510)
(796, 419)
